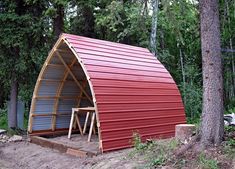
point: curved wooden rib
(30, 123)
(92, 91)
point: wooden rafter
(80, 95)
(56, 80)
(92, 92)
(74, 77)
(59, 90)
(52, 114)
(58, 97)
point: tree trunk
(232, 87)
(58, 21)
(153, 45)
(183, 75)
(212, 127)
(89, 21)
(12, 114)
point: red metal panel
(105, 43)
(133, 91)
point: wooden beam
(50, 56)
(62, 147)
(59, 90)
(59, 97)
(74, 77)
(60, 65)
(57, 80)
(86, 121)
(80, 95)
(56, 65)
(51, 114)
(91, 127)
(79, 125)
(71, 124)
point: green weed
(229, 128)
(138, 145)
(207, 163)
(228, 148)
(3, 119)
(154, 152)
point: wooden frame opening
(62, 84)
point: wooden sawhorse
(76, 112)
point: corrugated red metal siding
(133, 90)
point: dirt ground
(25, 155)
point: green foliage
(229, 128)
(23, 47)
(207, 163)
(138, 145)
(124, 22)
(229, 148)
(231, 142)
(156, 152)
(27, 36)
(3, 119)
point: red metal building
(129, 88)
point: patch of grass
(229, 149)
(159, 160)
(4, 125)
(3, 119)
(207, 163)
(153, 152)
(229, 128)
(231, 142)
(138, 145)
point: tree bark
(89, 21)
(153, 45)
(12, 114)
(58, 21)
(183, 75)
(212, 127)
(231, 88)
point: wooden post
(91, 126)
(79, 125)
(86, 121)
(71, 124)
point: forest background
(29, 28)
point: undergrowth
(3, 119)
(159, 153)
(207, 163)
(154, 153)
(4, 125)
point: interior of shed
(61, 86)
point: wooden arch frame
(56, 51)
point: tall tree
(21, 47)
(83, 19)
(153, 45)
(58, 19)
(212, 115)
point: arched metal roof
(130, 89)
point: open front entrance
(125, 87)
(63, 86)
